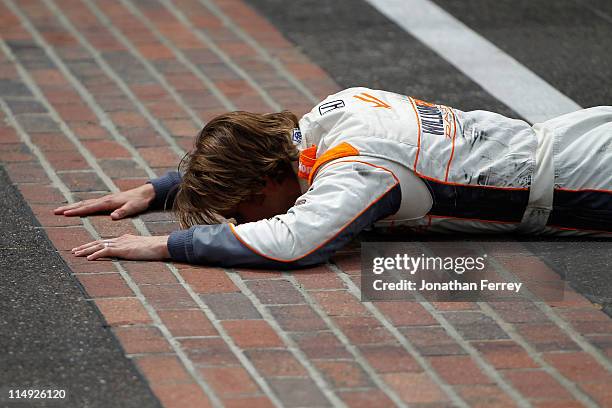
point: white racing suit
(372, 158)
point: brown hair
(232, 155)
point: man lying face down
(271, 191)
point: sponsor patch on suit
(330, 106)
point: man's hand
(132, 247)
(124, 203)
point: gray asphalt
(50, 336)
(567, 42)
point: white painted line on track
(495, 71)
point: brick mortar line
(533, 353)
(127, 43)
(139, 224)
(25, 138)
(77, 34)
(212, 318)
(89, 227)
(575, 336)
(247, 365)
(95, 166)
(560, 322)
(180, 56)
(487, 368)
(292, 346)
(471, 350)
(87, 224)
(280, 68)
(84, 93)
(67, 24)
(407, 344)
(221, 54)
(358, 357)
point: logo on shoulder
(297, 136)
(330, 106)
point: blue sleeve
(229, 246)
(165, 188)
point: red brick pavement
(98, 96)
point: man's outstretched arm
(155, 194)
(346, 197)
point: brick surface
(485, 396)
(276, 363)
(67, 160)
(122, 112)
(459, 370)
(208, 280)
(165, 297)
(537, 384)
(229, 380)
(297, 318)
(82, 265)
(432, 341)
(230, 306)
(415, 388)
(579, 367)
(406, 313)
(160, 369)
(364, 330)
(181, 395)
(144, 273)
(187, 323)
(26, 173)
(108, 228)
(599, 391)
(106, 149)
(255, 402)
(118, 312)
(105, 285)
(252, 333)
(136, 340)
(320, 345)
(339, 303)
(83, 181)
(40, 193)
(546, 337)
(475, 325)
(211, 351)
(505, 354)
(365, 399)
(389, 358)
(296, 392)
(275, 292)
(68, 238)
(343, 374)
(318, 278)
(159, 156)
